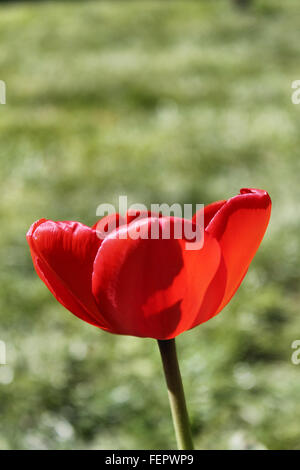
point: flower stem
(176, 394)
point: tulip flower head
(150, 287)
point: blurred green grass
(163, 102)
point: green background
(174, 101)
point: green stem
(176, 394)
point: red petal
(111, 222)
(209, 211)
(63, 254)
(239, 226)
(152, 287)
(135, 215)
(107, 224)
(213, 296)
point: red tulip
(150, 287)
